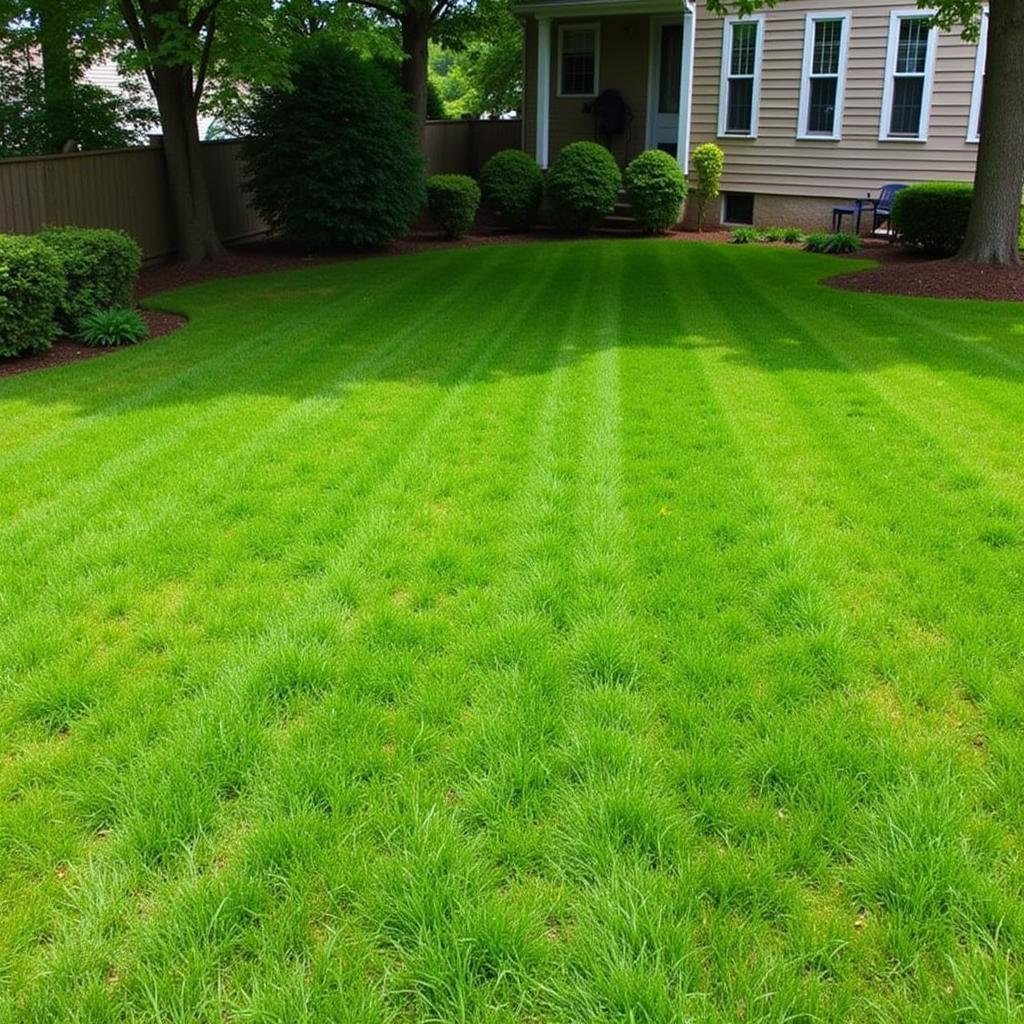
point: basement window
(737, 208)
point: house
(814, 102)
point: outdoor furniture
(839, 212)
(881, 207)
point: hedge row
(51, 281)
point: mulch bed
(67, 350)
(908, 273)
(899, 273)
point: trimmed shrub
(101, 267)
(331, 155)
(512, 183)
(709, 162)
(32, 287)
(744, 236)
(657, 190)
(835, 243)
(932, 216)
(583, 184)
(453, 200)
(111, 327)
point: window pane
(578, 62)
(739, 208)
(912, 50)
(744, 48)
(828, 36)
(907, 94)
(671, 63)
(740, 105)
(821, 112)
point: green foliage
(111, 327)
(744, 236)
(582, 185)
(792, 236)
(332, 158)
(32, 286)
(836, 243)
(513, 184)
(101, 266)
(708, 161)
(453, 200)
(933, 216)
(657, 189)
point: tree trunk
(58, 75)
(190, 197)
(415, 35)
(994, 223)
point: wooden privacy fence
(127, 188)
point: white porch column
(543, 89)
(686, 87)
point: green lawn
(574, 632)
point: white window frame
(723, 85)
(805, 76)
(590, 26)
(974, 121)
(895, 17)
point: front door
(666, 66)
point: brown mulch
(906, 273)
(67, 350)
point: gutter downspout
(686, 85)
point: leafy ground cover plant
(836, 243)
(108, 328)
(744, 236)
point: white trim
(576, 26)
(686, 88)
(805, 74)
(723, 85)
(895, 17)
(974, 121)
(543, 90)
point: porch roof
(553, 8)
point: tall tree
(993, 227)
(418, 22)
(175, 43)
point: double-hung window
(741, 76)
(909, 72)
(826, 39)
(578, 47)
(974, 123)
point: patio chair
(882, 207)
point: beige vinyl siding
(776, 162)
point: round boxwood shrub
(512, 184)
(453, 200)
(331, 155)
(932, 216)
(32, 286)
(101, 267)
(656, 188)
(583, 184)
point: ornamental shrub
(453, 200)
(32, 287)
(111, 327)
(657, 189)
(709, 162)
(583, 184)
(932, 216)
(744, 236)
(101, 267)
(331, 157)
(512, 183)
(836, 243)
